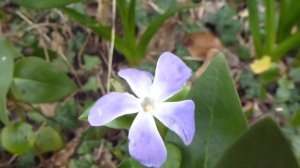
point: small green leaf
(173, 157)
(85, 114)
(36, 81)
(7, 54)
(218, 116)
(66, 115)
(295, 74)
(91, 62)
(130, 163)
(123, 122)
(44, 4)
(17, 138)
(91, 84)
(47, 140)
(263, 145)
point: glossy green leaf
(47, 140)
(36, 81)
(17, 138)
(263, 145)
(7, 54)
(44, 4)
(218, 115)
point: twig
(112, 43)
(82, 48)
(155, 7)
(43, 35)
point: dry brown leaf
(62, 158)
(164, 39)
(48, 109)
(199, 44)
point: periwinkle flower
(145, 142)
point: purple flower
(145, 142)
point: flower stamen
(147, 104)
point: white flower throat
(148, 104)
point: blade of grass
(285, 46)
(282, 19)
(129, 36)
(292, 12)
(254, 26)
(270, 26)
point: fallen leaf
(261, 65)
(48, 109)
(62, 158)
(200, 44)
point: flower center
(147, 104)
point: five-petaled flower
(145, 142)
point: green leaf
(84, 116)
(44, 4)
(173, 157)
(7, 54)
(263, 145)
(91, 84)
(47, 140)
(17, 138)
(66, 115)
(294, 74)
(36, 81)
(218, 116)
(91, 62)
(123, 122)
(130, 163)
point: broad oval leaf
(47, 140)
(263, 145)
(7, 54)
(218, 116)
(36, 81)
(44, 4)
(17, 138)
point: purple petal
(111, 106)
(139, 81)
(179, 117)
(170, 76)
(145, 143)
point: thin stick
(112, 43)
(44, 36)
